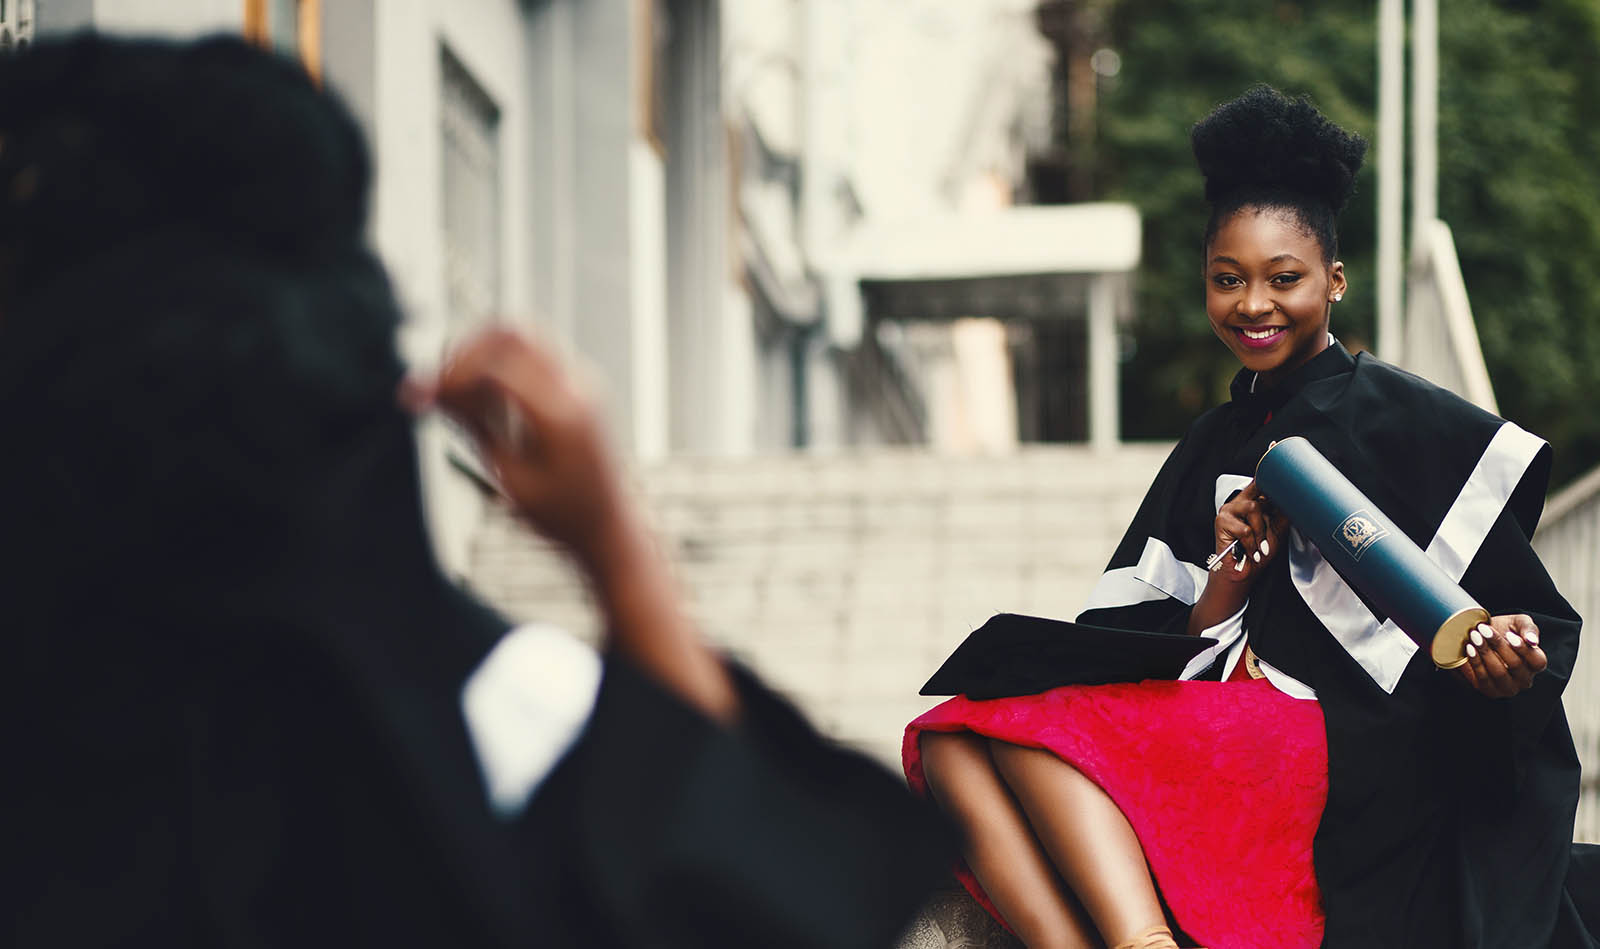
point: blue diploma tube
(1369, 551)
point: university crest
(1360, 531)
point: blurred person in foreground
(246, 706)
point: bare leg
(1088, 839)
(1000, 848)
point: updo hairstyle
(1266, 150)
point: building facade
(677, 191)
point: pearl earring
(1337, 297)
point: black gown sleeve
(1177, 515)
(1507, 578)
(677, 832)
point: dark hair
(104, 142)
(1266, 150)
(196, 345)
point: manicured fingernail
(1472, 651)
(1486, 630)
(1258, 556)
(1513, 639)
(1266, 549)
(1532, 638)
(1477, 640)
(1238, 566)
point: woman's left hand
(1503, 656)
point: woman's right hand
(1503, 656)
(1249, 518)
(541, 433)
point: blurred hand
(1248, 518)
(541, 434)
(1503, 656)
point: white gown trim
(1228, 633)
(1159, 573)
(1383, 649)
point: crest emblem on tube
(1360, 531)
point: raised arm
(541, 433)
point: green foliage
(1519, 132)
(1519, 185)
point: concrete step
(844, 580)
(954, 920)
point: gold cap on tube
(1450, 642)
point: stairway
(844, 580)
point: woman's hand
(541, 434)
(1503, 656)
(1248, 518)
(543, 437)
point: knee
(1007, 756)
(946, 754)
(1019, 764)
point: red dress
(1224, 782)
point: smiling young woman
(1311, 779)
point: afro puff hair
(1265, 149)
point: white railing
(1441, 340)
(1441, 345)
(1568, 541)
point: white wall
(174, 17)
(596, 198)
(486, 36)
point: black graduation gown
(234, 683)
(1449, 815)
(284, 789)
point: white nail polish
(1258, 556)
(1266, 549)
(1513, 639)
(1477, 640)
(1472, 651)
(1486, 630)
(1238, 567)
(1532, 638)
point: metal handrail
(1441, 339)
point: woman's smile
(1263, 337)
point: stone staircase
(844, 580)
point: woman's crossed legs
(1051, 849)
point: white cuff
(1226, 633)
(525, 706)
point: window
(16, 24)
(469, 125)
(291, 27)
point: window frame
(308, 31)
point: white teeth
(1262, 334)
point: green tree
(1519, 125)
(1519, 133)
